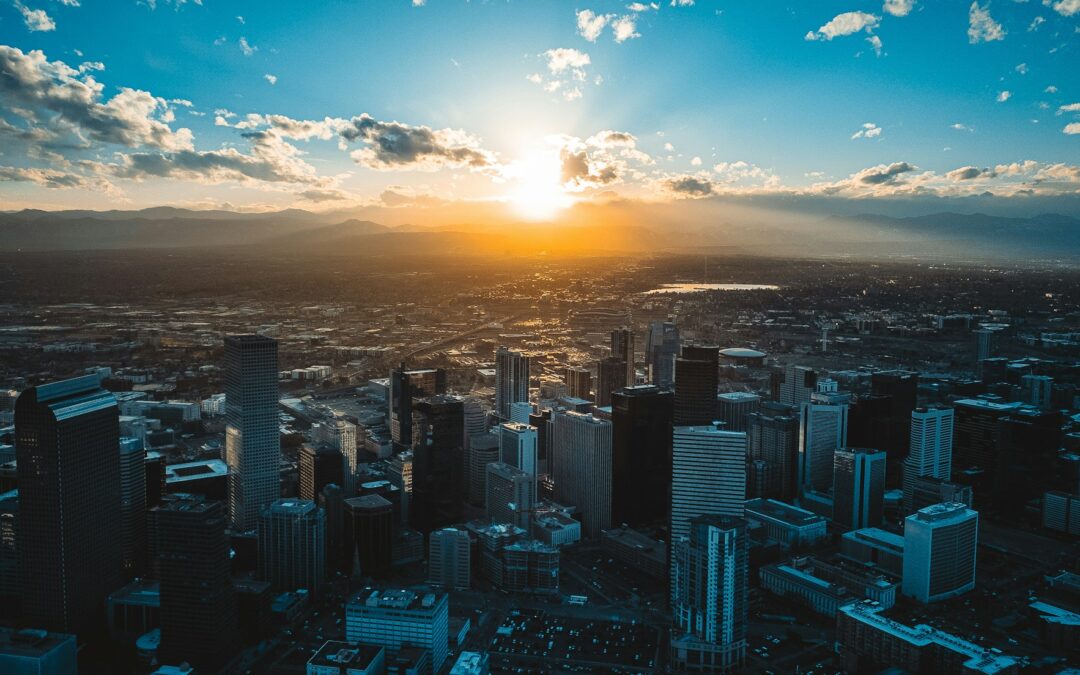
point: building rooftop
(31, 642)
(335, 653)
(943, 513)
(771, 508)
(291, 507)
(742, 353)
(398, 598)
(877, 536)
(188, 471)
(738, 396)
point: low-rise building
(37, 652)
(636, 550)
(343, 658)
(396, 618)
(789, 526)
(875, 546)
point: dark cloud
(688, 186)
(45, 177)
(580, 170)
(968, 173)
(393, 145)
(883, 175)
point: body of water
(698, 288)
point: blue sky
(536, 103)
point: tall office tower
(476, 423)
(332, 501)
(517, 446)
(319, 466)
(711, 584)
(1028, 445)
(734, 408)
(541, 421)
(581, 453)
(511, 380)
(369, 536)
(661, 349)
(9, 554)
(405, 386)
(610, 378)
(902, 389)
(252, 439)
(975, 445)
(449, 559)
(931, 444)
(68, 466)
(622, 348)
(939, 552)
(520, 411)
(198, 601)
(579, 380)
(708, 468)
(399, 471)
(397, 618)
(340, 435)
(858, 487)
(155, 479)
(799, 382)
(822, 431)
(132, 507)
(641, 454)
(773, 436)
(511, 494)
(292, 545)
(697, 372)
(984, 343)
(870, 423)
(483, 450)
(438, 462)
(1037, 390)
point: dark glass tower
(67, 439)
(319, 466)
(370, 526)
(438, 478)
(610, 378)
(697, 371)
(641, 455)
(622, 347)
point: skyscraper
(822, 431)
(319, 466)
(438, 491)
(641, 454)
(340, 435)
(799, 382)
(697, 371)
(939, 552)
(483, 450)
(369, 535)
(399, 472)
(67, 436)
(511, 494)
(773, 436)
(518, 447)
(622, 348)
(661, 349)
(711, 570)
(610, 378)
(252, 439)
(449, 559)
(902, 389)
(132, 506)
(858, 487)
(734, 408)
(579, 380)
(930, 451)
(581, 449)
(511, 380)
(975, 443)
(198, 601)
(405, 386)
(292, 545)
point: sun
(538, 192)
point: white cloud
(567, 73)
(960, 127)
(1004, 96)
(669, 147)
(1071, 107)
(1035, 23)
(875, 42)
(682, 3)
(248, 49)
(37, 20)
(845, 24)
(590, 24)
(562, 59)
(898, 7)
(625, 28)
(1065, 7)
(1072, 129)
(696, 161)
(1051, 89)
(220, 41)
(418, 3)
(981, 26)
(240, 19)
(272, 79)
(868, 130)
(1022, 68)
(642, 7)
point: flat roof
(188, 471)
(788, 513)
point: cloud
(578, 170)
(398, 146)
(1065, 7)
(625, 28)
(564, 59)
(898, 7)
(1050, 90)
(875, 42)
(1035, 23)
(1004, 96)
(845, 24)
(687, 186)
(612, 139)
(49, 178)
(1022, 68)
(960, 127)
(969, 173)
(1071, 107)
(590, 24)
(883, 174)
(981, 26)
(643, 7)
(682, 3)
(868, 130)
(567, 72)
(695, 161)
(272, 79)
(55, 94)
(36, 19)
(1072, 128)
(247, 49)
(323, 195)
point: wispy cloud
(36, 20)
(868, 130)
(981, 26)
(845, 24)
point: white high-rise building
(581, 450)
(395, 618)
(340, 434)
(511, 380)
(799, 383)
(252, 436)
(931, 448)
(517, 446)
(520, 411)
(822, 431)
(940, 542)
(132, 505)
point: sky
(534, 106)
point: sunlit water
(698, 288)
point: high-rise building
(132, 507)
(610, 378)
(395, 618)
(984, 343)
(1027, 462)
(541, 421)
(320, 465)
(449, 564)
(155, 479)
(438, 462)
(399, 471)
(581, 449)
(822, 431)
(641, 455)
(902, 389)
(939, 552)
(661, 349)
(406, 385)
(975, 444)
(1037, 390)
(252, 439)
(930, 451)
(511, 380)
(697, 373)
(711, 585)
(332, 501)
(483, 450)
(517, 446)
(67, 436)
(733, 408)
(369, 535)
(799, 382)
(340, 435)
(858, 487)
(511, 494)
(622, 348)
(579, 381)
(198, 602)
(292, 545)
(9, 554)
(773, 436)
